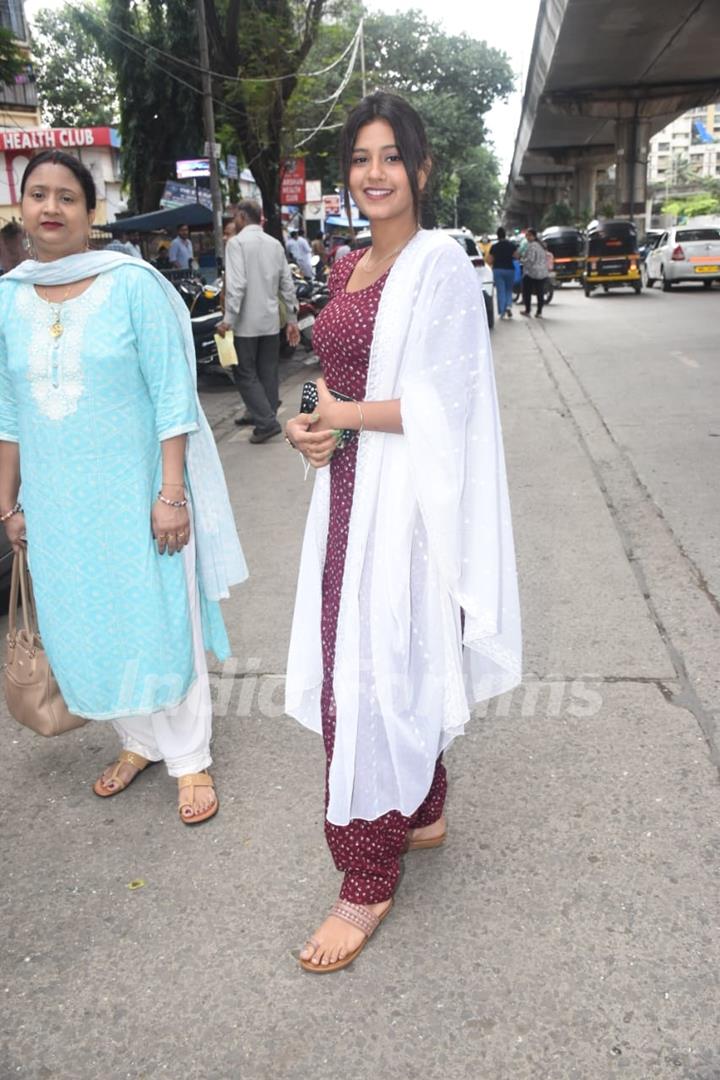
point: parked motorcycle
(203, 301)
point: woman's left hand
(170, 526)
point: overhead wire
(103, 19)
(333, 97)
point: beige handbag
(33, 697)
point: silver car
(685, 253)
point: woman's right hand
(317, 447)
(15, 529)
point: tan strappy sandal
(127, 757)
(356, 915)
(193, 780)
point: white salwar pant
(179, 736)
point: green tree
(480, 191)
(559, 213)
(75, 80)
(452, 81)
(160, 117)
(692, 206)
(12, 60)
(267, 43)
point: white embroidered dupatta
(430, 537)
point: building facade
(19, 107)
(690, 145)
(21, 135)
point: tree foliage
(451, 80)
(267, 44)
(559, 213)
(75, 80)
(12, 60)
(114, 51)
(160, 118)
(692, 206)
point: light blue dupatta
(220, 558)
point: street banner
(179, 194)
(292, 182)
(331, 204)
(313, 211)
(313, 191)
(232, 166)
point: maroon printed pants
(368, 852)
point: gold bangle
(362, 418)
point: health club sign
(57, 139)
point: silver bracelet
(17, 509)
(362, 418)
(177, 504)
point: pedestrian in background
(300, 252)
(500, 258)
(256, 274)
(407, 610)
(320, 251)
(12, 250)
(181, 249)
(535, 273)
(100, 420)
(229, 231)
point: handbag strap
(21, 589)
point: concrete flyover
(604, 76)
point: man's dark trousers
(257, 377)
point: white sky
(508, 25)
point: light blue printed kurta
(89, 410)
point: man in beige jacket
(256, 274)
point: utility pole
(362, 57)
(209, 125)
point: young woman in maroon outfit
(386, 165)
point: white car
(684, 253)
(487, 281)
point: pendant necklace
(56, 327)
(371, 269)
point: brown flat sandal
(356, 915)
(429, 842)
(193, 780)
(127, 757)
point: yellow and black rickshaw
(611, 256)
(567, 247)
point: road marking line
(686, 360)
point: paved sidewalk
(567, 931)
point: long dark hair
(79, 171)
(410, 139)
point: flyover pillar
(632, 138)
(584, 192)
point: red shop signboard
(292, 182)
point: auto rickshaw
(611, 256)
(566, 245)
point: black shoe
(261, 435)
(245, 420)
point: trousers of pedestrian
(180, 736)
(533, 286)
(257, 376)
(504, 288)
(368, 852)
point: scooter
(203, 303)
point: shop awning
(195, 215)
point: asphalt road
(568, 930)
